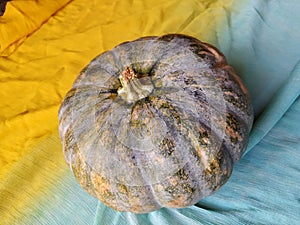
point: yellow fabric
(22, 18)
(43, 46)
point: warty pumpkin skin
(155, 122)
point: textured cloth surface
(44, 45)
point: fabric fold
(22, 18)
(279, 104)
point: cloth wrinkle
(37, 26)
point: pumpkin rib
(197, 117)
(88, 111)
(212, 151)
(152, 192)
(102, 192)
(178, 54)
(81, 171)
(235, 127)
(169, 123)
(197, 91)
(72, 96)
(172, 127)
(153, 67)
(103, 124)
(68, 145)
(152, 42)
(235, 98)
(200, 49)
(122, 53)
(174, 186)
(204, 122)
(173, 69)
(148, 105)
(83, 132)
(112, 66)
(66, 115)
(79, 168)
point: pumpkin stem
(134, 88)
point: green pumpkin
(155, 122)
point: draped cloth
(45, 44)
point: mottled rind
(169, 139)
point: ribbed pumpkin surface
(156, 122)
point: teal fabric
(262, 42)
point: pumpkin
(155, 122)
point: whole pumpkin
(155, 122)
